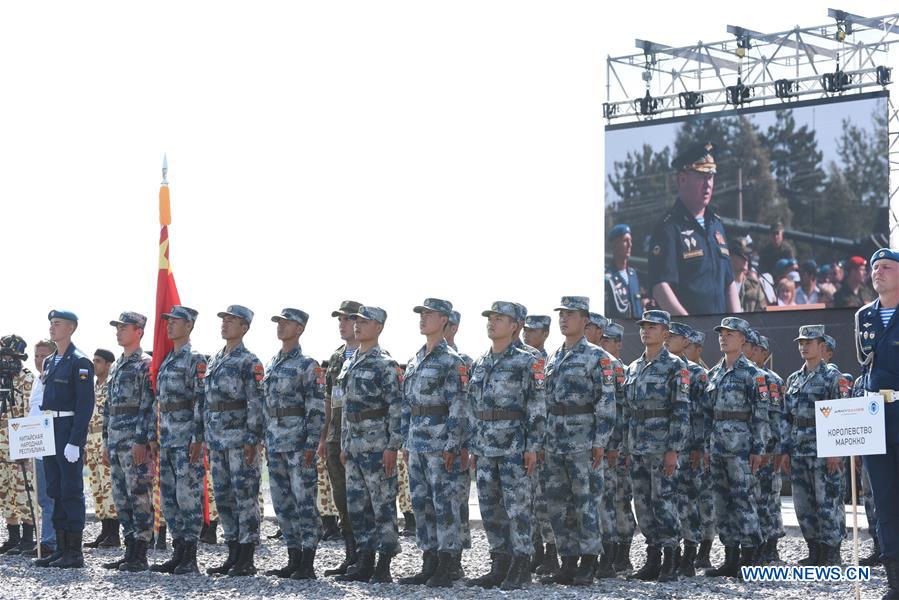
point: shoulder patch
(400, 374)
(463, 374)
(258, 372)
(605, 362)
(201, 370)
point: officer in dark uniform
(877, 344)
(68, 379)
(689, 262)
(622, 285)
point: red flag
(166, 290)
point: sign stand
(858, 590)
(38, 519)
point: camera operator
(42, 350)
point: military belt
(803, 422)
(430, 410)
(561, 411)
(221, 405)
(732, 415)
(176, 406)
(289, 411)
(366, 415)
(889, 395)
(500, 415)
(118, 411)
(644, 414)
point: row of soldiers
(558, 444)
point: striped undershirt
(886, 314)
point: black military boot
(773, 555)
(233, 551)
(306, 568)
(104, 531)
(650, 570)
(584, 574)
(276, 536)
(15, 536)
(351, 557)
(177, 555)
(891, 566)
(623, 557)
(550, 564)
(330, 530)
(702, 557)
(188, 564)
(442, 574)
(518, 575)
(565, 574)
(537, 556)
(114, 565)
(429, 560)
(606, 567)
(687, 566)
(138, 560)
(45, 551)
(60, 550)
(244, 567)
(160, 538)
(209, 533)
(499, 566)
(72, 558)
(731, 565)
(457, 572)
(382, 570)
(26, 544)
(293, 563)
(830, 556)
(668, 570)
(408, 525)
(814, 554)
(362, 570)
(872, 559)
(112, 539)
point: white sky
(382, 151)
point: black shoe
(537, 556)
(499, 566)
(872, 559)
(565, 574)
(668, 570)
(814, 554)
(830, 556)
(293, 563)
(442, 574)
(60, 550)
(650, 570)
(362, 570)
(351, 557)
(330, 530)
(177, 555)
(584, 574)
(188, 564)
(138, 561)
(244, 567)
(687, 566)
(772, 554)
(623, 557)
(429, 560)
(457, 572)
(112, 539)
(519, 573)
(160, 538)
(277, 535)
(408, 525)
(114, 565)
(891, 566)
(233, 551)
(208, 534)
(45, 551)
(104, 531)
(382, 570)
(26, 544)
(702, 556)
(606, 567)
(550, 564)
(306, 568)
(15, 536)
(72, 558)
(731, 565)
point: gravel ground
(19, 580)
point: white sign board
(850, 426)
(31, 437)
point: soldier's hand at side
(249, 454)
(105, 458)
(834, 464)
(473, 461)
(786, 464)
(541, 457)
(766, 458)
(153, 453)
(612, 458)
(755, 461)
(530, 462)
(343, 458)
(308, 458)
(448, 459)
(695, 459)
(196, 451)
(707, 461)
(669, 463)
(389, 462)
(465, 459)
(139, 453)
(598, 453)
(322, 450)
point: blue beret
(618, 231)
(886, 253)
(62, 314)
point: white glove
(71, 453)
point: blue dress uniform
(877, 346)
(622, 296)
(69, 397)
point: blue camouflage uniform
(464, 491)
(770, 480)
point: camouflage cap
(831, 343)
(347, 308)
(661, 317)
(698, 157)
(764, 343)
(130, 318)
(613, 331)
(574, 303)
(455, 317)
(598, 320)
(811, 332)
(739, 247)
(181, 312)
(735, 324)
(292, 314)
(681, 329)
(522, 312)
(537, 322)
(62, 314)
(444, 307)
(105, 355)
(697, 337)
(241, 312)
(371, 313)
(501, 307)
(885, 253)
(752, 337)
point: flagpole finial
(165, 169)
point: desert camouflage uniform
(13, 497)
(100, 475)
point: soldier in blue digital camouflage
(506, 396)
(616, 514)
(127, 430)
(658, 411)
(232, 425)
(435, 422)
(580, 415)
(736, 425)
(293, 413)
(690, 465)
(816, 482)
(518, 338)
(535, 333)
(370, 438)
(596, 324)
(179, 393)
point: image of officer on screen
(689, 262)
